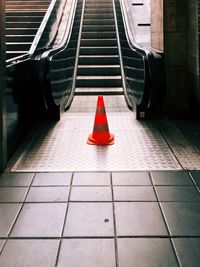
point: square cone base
(93, 141)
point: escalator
(104, 62)
(23, 18)
(86, 51)
(23, 21)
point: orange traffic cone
(100, 135)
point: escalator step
(101, 60)
(102, 50)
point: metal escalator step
(96, 35)
(95, 21)
(98, 11)
(26, 5)
(25, 10)
(19, 38)
(10, 18)
(25, 13)
(98, 42)
(21, 31)
(98, 28)
(21, 46)
(98, 91)
(98, 59)
(32, 2)
(102, 50)
(99, 16)
(98, 5)
(19, 25)
(98, 81)
(99, 70)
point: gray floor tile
(171, 178)
(89, 219)
(92, 178)
(143, 252)
(183, 218)
(139, 219)
(91, 193)
(131, 178)
(187, 250)
(2, 241)
(32, 253)
(13, 194)
(177, 193)
(134, 193)
(48, 194)
(8, 214)
(40, 220)
(87, 253)
(196, 176)
(52, 179)
(16, 179)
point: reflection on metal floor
(139, 145)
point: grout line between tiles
(64, 222)
(102, 237)
(165, 222)
(114, 222)
(195, 184)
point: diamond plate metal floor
(148, 145)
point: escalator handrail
(132, 43)
(121, 58)
(42, 28)
(149, 57)
(143, 54)
(51, 47)
(46, 57)
(12, 61)
(52, 50)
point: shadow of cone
(100, 135)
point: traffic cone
(100, 135)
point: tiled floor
(142, 219)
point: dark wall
(176, 52)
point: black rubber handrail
(42, 28)
(44, 67)
(50, 50)
(149, 103)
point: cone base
(93, 141)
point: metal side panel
(62, 146)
